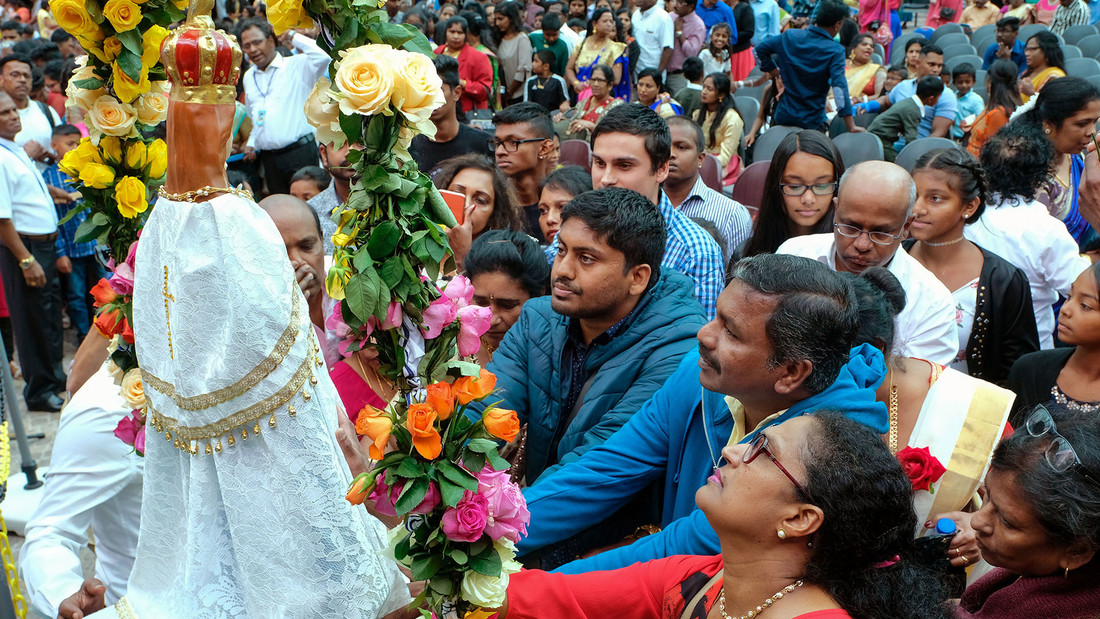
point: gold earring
(1067, 573)
(1046, 130)
(781, 533)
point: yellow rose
(74, 161)
(131, 196)
(111, 47)
(111, 147)
(132, 390)
(151, 108)
(157, 157)
(324, 113)
(287, 15)
(150, 45)
(112, 346)
(137, 155)
(123, 14)
(97, 175)
(417, 90)
(125, 87)
(72, 17)
(109, 116)
(82, 97)
(181, 4)
(365, 80)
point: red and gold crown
(202, 63)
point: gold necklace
(366, 377)
(1059, 178)
(202, 192)
(945, 243)
(893, 411)
(766, 604)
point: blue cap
(946, 526)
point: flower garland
(120, 89)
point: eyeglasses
(597, 80)
(1059, 453)
(820, 189)
(510, 146)
(878, 238)
(759, 445)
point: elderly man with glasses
(873, 208)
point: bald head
(888, 182)
(283, 203)
(300, 228)
(873, 206)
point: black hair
(546, 56)
(693, 67)
(1051, 47)
(317, 174)
(606, 71)
(654, 75)
(815, 315)
(1011, 23)
(849, 33)
(514, 254)
(13, 57)
(53, 69)
(830, 12)
(59, 36)
(261, 24)
(506, 213)
(14, 25)
(575, 22)
(969, 179)
(963, 68)
(719, 54)
(638, 119)
(930, 48)
(510, 10)
(867, 502)
(1066, 505)
(857, 40)
(898, 67)
(627, 221)
(473, 6)
(551, 21)
(527, 112)
(722, 85)
(597, 14)
(427, 21)
(696, 130)
(1060, 99)
(63, 130)
(921, 41)
(447, 68)
(879, 299)
(1017, 160)
(571, 179)
(773, 226)
(38, 80)
(929, 85)
(1001, 86)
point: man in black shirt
(452, 138)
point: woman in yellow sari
(865, 78)
(1045, 62)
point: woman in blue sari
(599, 47)
(652, 93)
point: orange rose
(359, 489)
(375, 425)
(421, 424)
(501, 423)
(108, 323)
(441, 399)
(470, 388)
(103, 293)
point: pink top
(354, 392)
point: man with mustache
(779, 347)
(873, 207)
(576, 365)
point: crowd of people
(661, 341)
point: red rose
(922, 468)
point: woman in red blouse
(816, 520)
(473, 66)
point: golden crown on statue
(202, 62)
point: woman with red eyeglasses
(814, 517)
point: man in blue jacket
(578, 364)
(780, 347)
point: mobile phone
(456, 202)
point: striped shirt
(730, 217)
(1076, 14)
(66, 232)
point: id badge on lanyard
(261, 115)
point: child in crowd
(688, 96)
(894, 75)
(903, 118)
(550, 39)
(308, 182)
(716, 55)
(970, 103)
(546, 88)
(578, 26)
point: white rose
(132, 389)
(484, 591)
(115, 371)
(112, 346)
(152, 108)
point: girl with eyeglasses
(993, 309)
(798, 191)
(1040, 523)
(1068, 377)
(815, 522)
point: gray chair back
(1073, 34)
(951, 63)
(961, 49)
(1030, 30)
(946, 30)
(947, 40)
(1082, 67)
(909, 155)
(1090, 46)
(747, 108)
(765, 145)
(1071, 51)
(858, 147)
(989, 30)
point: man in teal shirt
(550, 39)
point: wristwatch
(26, 263)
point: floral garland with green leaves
(120, 89)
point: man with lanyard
(275, 91)
(28, 235)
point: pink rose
(335, 321)
(460, 290)
(127, 428)
(139, 441)
(466, 521)
(385, 497)
(438, 315)
(508, 515)
(393, 316)
(122, 280)
(473, 321)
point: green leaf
(473, 460)
(401, 549)
(131, 40)
(488, 562)
(374, 176)
(444, 586)
(458, 475)
(451, 492)
(392, 271)
(346, 38)
(88, 231)
(383, 239)
(459, 557)
(80, 206)
(130, 63)
(90, 83)
(376, 129)
(440, 212)
(420, 45)
(410, 468)
(437, 251)
(499, 464)
(362, 293)
(395, 35)
(423, 568)
(404, 187)
(411, 495)
(463, 368)
(352, 126)
(482, 445)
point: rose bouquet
(922, 468)
(463, 514)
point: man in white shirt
(95, 480)
(28, 235)
(873, 208)
(654, 32)
(38, 119)
(275, 91)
